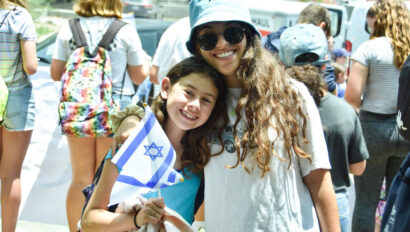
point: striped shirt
(17, 26)
(380, 93)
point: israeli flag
(146, 161)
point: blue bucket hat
(301, 39)
(206, 11)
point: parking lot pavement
(27, 226)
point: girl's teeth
(188, 115)
(225, 54)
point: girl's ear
(165, 87)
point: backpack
(86, 96)
(396, 216)
(403, 101)
(4, 94)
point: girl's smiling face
(190, 101)
(225, 57)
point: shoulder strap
(78, 33)
(109, 35)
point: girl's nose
(221, 41)
(194, 105)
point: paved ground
(46, 170)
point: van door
(268, 16)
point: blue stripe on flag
(162, 169)
(171, 177)
(137, 141)
(154, 180)
(129, 180)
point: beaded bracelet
(135, 218)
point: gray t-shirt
(344, 138)
(16, 27)
(380, 93)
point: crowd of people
(268, 131)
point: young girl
(17, 61)
(127, 59)
(273, 174)
(190, 102)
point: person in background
(274, 149)
(127, 59)
(171, 50)
(312, 14)
(17, 61)
(374, 75)
(303, 50)
(341, 77)
(340, 56)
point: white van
(268, 16)
(358, 30)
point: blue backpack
(396, 216)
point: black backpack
(403, 101)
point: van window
(336, 19)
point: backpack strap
(78, 33)
(109, 35)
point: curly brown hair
(393, 21)
(196, 151)
(311, 77)
(268, 100)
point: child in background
(191, 99)
(340, 79)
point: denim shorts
(20, 114)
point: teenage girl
(191, 99)
(17, 61)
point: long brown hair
(104, 8)
(311, 77)
(196, 151)
(268, 100)
(393, 21)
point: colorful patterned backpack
(86, 99)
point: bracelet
(117, 117)
(135, 218)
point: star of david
(153, 151)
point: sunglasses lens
(207, 41)
(234, 35)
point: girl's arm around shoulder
(321, 190)
(124, 122)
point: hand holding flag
(146, 160)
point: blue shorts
(21, 110)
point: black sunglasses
(232, 35)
